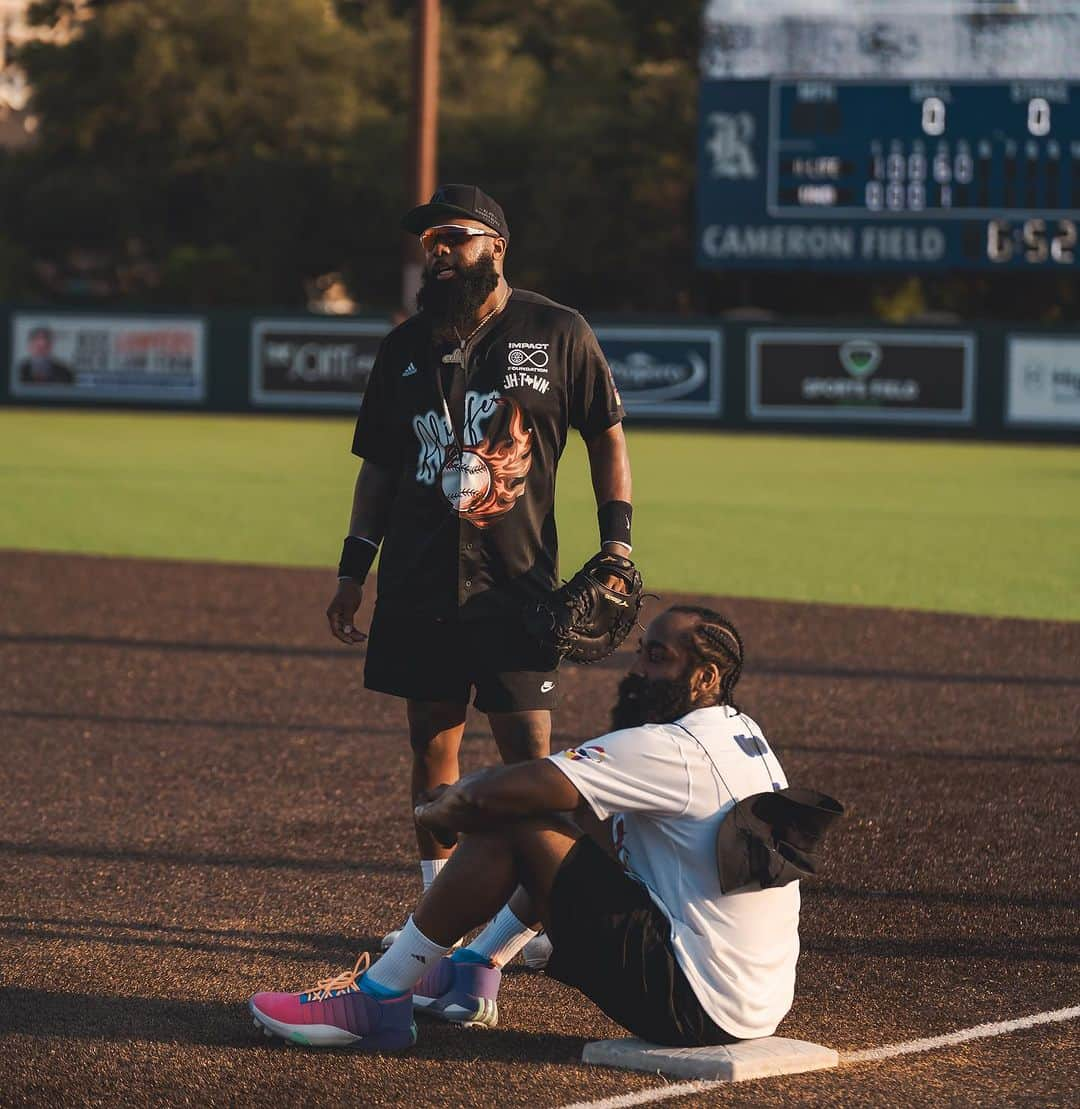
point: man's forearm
(491, 798)
(609, 463)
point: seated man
(639, 923)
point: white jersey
(668, 786)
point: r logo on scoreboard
(729, 145)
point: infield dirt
(200, 800)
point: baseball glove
(591, 615)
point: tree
(197, 83)
(194, 124)
(234, 150)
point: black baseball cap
(773, 838)
(450, 201)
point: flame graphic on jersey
(485, 481)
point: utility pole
(423, 137)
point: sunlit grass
(981, 528)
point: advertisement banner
(99, 358)
(1043, 380)
(871, 376)
(312, 362)
(665, 372)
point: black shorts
(426, 659)
(613, 943)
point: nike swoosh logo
(547, 687)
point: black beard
(453, 304)
(650, 702)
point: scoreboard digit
(889, 174)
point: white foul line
(642, 1097)
(977, 1032)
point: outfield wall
(986, 381)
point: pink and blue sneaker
(338, 1012)
(461, 989)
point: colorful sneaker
(460, 992)
(336, 1012)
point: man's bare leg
(487, 868)
(435, 731)
(521, 736)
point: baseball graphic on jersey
(466, 479)
(484, 481)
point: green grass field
(991, 529)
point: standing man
(461, 429)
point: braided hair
(715, 639)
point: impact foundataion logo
(527, 366)
(527, 356)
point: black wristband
(614, 518)
(357, 555)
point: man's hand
(430, 812)
(613, 581)
(342, 611)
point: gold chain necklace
(458, 355)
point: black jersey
(475, 445)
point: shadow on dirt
(199, 858)
(326, 950)
(80, 1016)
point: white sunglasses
(452, 234)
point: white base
(761, 1058)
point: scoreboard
(916, 175)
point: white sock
(429, 869)
(503, 938)
(410, 957)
